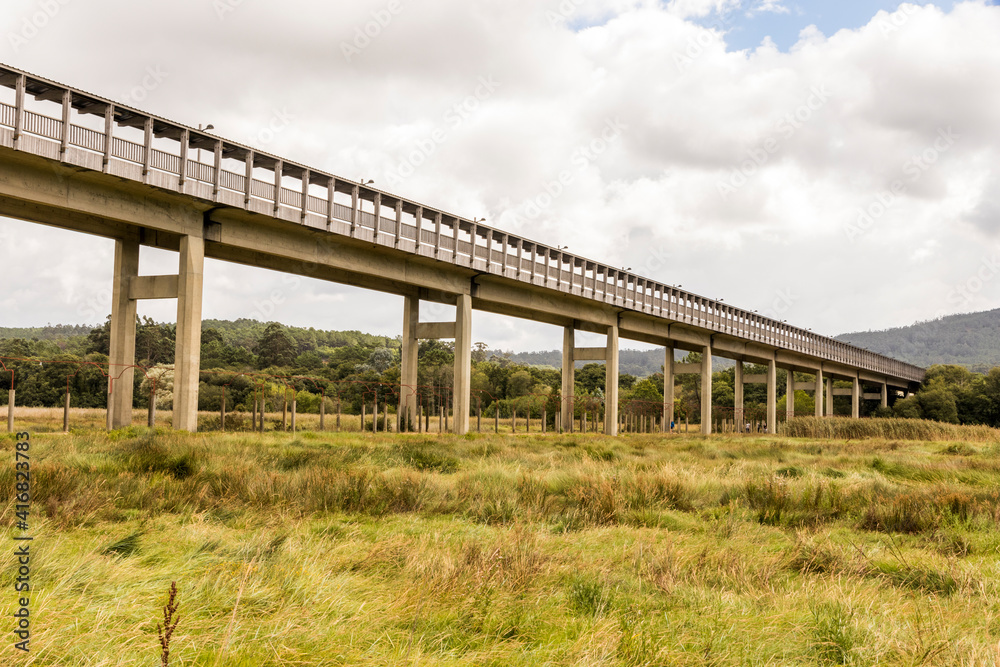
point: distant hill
(971, 340)
(640, 363)
(634, 362)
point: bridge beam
(568, 379)
(187, 357)
(121, 374)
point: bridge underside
(56, 193)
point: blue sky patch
(783, 20)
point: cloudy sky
(833, 164)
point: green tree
(275, 347)
(99, 339)
(804, 404)
(908, 408)
(381, 360)
(519, 384)
(309, 360)
(647, 390)
(590, 378)
(938, 404)
(991, 395)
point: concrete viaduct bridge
(77, 161)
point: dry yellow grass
(330, 549)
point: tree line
(246, 359)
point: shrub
(836, 635)
(424, 457)
(148, 454)
(587, 597)
(907, 513)
(769, 500)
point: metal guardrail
(411, 227)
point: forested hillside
(640, 363)
(971, 340)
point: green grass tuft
(125, 547)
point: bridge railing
(346, 207)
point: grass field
(329, 549)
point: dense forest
(245, 359)
(971, 340)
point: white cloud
(695, 114)
(701, 8)
(769, 6)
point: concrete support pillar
(463, 362)
(151, 413)
(668, 388)
(738, 393)
(706, 390)
(611, 383)
(408, 371)
(568, 379)
(885, 395)
(11, 395)
(772, 396)
(122, 357)
(829, 397)
(66, 413)
(187, 361)
(856, 399)
(789, 394)
(819, 393)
